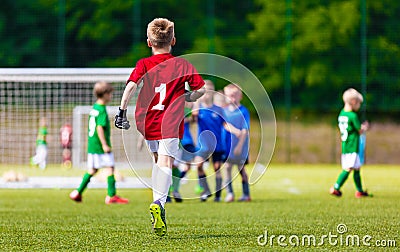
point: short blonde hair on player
(101, 88)
(233, 88)
(351, 94)
(160, 32)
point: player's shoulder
(97, 109)
(217, 108)
(351, 114)
(243, 108)
(182, 62)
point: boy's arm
(232, 129)
(121, 121)
(100, 134)
(127, 95)
(238, 149)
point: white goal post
(61, 95)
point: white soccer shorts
(98, 161)
(350, 161)
(167, 147)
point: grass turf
(289, 200)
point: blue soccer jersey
(187, 137)
(210, 126)
(240, 119)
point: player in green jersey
(350, 131)
(99, 146)
(41, 145)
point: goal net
(62, 96)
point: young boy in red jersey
(160, 108)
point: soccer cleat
(217, 199)
(115, 200)
(76, 196)
(362, 194)
(157, 213)
(177, 196)
(335, 192)
(205, 195)
(245, 198)
(229, 197)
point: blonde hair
(351, 94)
(160, 32)
(233, 87)
(101, 88)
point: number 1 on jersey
(162, 89)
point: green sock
(111, 191)
(357, 180)
(84, 183)
(341, 179)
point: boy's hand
(364, 126)
(192, 96)
(121, 122)
(187, 96)
(106, 148)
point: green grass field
(289, 200)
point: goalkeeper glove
(121, 122)
(187, 96)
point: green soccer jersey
(41, 138)
(349, 126)
(98, 117)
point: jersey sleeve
(137, 72)
(102, 120)
(195, 80)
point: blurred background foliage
(324, 41)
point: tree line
(324, 42)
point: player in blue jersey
(237, 117)
(187, 150)
(210, 119)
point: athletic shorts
(187, 152)
(98, 161)
(167, 147)
(218, 156)
(350, 160)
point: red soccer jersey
(160, 105)
(66, 136)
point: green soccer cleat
(157, 213)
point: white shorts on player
(350, 161)
(167, 147)
(98, 161)
(41, 156)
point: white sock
(162, 184)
